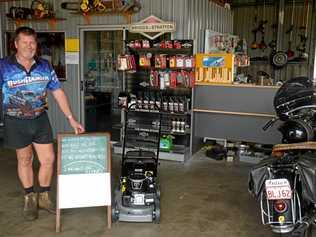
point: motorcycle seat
(279, 149)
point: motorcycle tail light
(280, 206)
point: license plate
(278, 189)
(139, 199)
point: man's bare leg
(25, 173)
(25, 168)
(46, 157)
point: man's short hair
(24, 30)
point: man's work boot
(30, 210)
(45, 203)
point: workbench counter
(234, 112)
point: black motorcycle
(285, 183)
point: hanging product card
(122, 63)
(126, 62)
(137, 44)
(144, 61)
(180, 79)
(188, 62)
(157, 61)
(154, 80)
(145, 44)
(177, 44)
(172, 62)
(132, 62)
(180, 62)
(160, 61)
(168, 44)
(192, 79)
(173, 79)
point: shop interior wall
(313, 37)
(244, 23)
(192, 17)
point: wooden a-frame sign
(83, 173)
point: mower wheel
(115, 213)
(156, 212)
(158, 193)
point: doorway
(100, 80)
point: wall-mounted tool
(290, 52)
(261, 28)
(21, 13)
(41, 9)
(71, 6)
(85, 6)
(254, 44)
(97, 5)
(274, 26)
(279, 59)
(303, 31)
(273, 42)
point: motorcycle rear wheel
(310, 232)
(281, 235)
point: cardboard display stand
(214, 68)
(83, 172)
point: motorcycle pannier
(307, 170)
(306, 165)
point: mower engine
(138, 189)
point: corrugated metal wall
(244, 23)
(192, 17)
(313, 44)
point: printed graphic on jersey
(25, 95)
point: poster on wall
(219, 42)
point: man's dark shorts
(19, 133)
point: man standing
(25, 79)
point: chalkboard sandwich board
(83, 172)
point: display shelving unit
(174, 101)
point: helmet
(294, 131)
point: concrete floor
(202, 197)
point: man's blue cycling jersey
(25, 93)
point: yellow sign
(72, 45)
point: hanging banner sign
(152, 27)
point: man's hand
(78, 128)
(63, 104)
